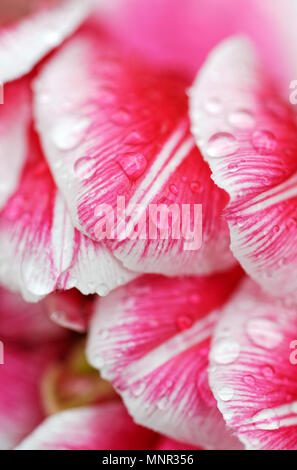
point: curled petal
(116, 136)
(40, 249)
(70, 309)
(248, 135)
(151, 339)
(101, 427)
(27, 40)
(253, 370)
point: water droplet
(225, 351)
(138, 389)
(264, 333)
(184, 322)
(135, 138)
(226, 393)
(233, 167)
(249, 380)
(69, 132)
(102, 290)
(162, 403)
(264, 142)
(242, 119)
(213, 105)
(195, 187)
(221, 145)
(275, 229)
(133, 165)
(173, 189)
(266, 420)
(268, 371)
(84, 167)
(194, 299)
(292, 224)
(121, 117)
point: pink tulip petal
(253, 369)
(14, 122)
(118, 129)
(70, 309)
(151, 339)
(20, 404)
(40, 249)
(101, 427)
(169, 444)
(25, 323)
(174, 39)
(24, 42)
(248, 136)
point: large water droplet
(221, 145)
(133, 165)
(226, 393)
(213, 105)
(264, 142)
(184, 322)
(225, 351)
(121, 117)
(264, 333)
(242, 119)
(138, 389)
(135, 138)
(69, 132)
(84, 167)
(266, 420)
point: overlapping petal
(253, 369)
(20, 405)
(101, 427)
(40, 249)
(117, 133)
(248, 135)
(179, 35)
(24, 323)
(14, 122)
(151, 339)
(32, 32)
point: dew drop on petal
(133, 165)
(264, 142)
(225, 351)
(213, 105)
(84, 167)
(195, 187)
(69, 132)
(102, 289)
(268, 371)
(249, 380)
(184, 322)
(138, 389)
(173, 189)
(225, 393)
(242, 119)
(221, 144)
(135, 138)
(266, 420)
(263, 333)
(121, 117)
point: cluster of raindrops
(223, 144)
